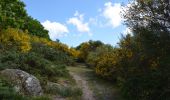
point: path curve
(82, 83)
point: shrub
(95, 56)
(32, 63)
(15, 37)
(52, 54)
(107, 66)
(64, 91)
(87, 47)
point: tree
(146, 72)
(34, 27)
(87, 47)
(12, 14)
(151, 14)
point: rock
(23, 82)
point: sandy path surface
(82, 83)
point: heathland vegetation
(138, 64)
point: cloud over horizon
(78, 21)
(55, 29)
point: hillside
(34, 67)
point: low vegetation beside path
(101, 89)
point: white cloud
(55, 29)
(78, 21)
(112, 13)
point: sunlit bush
(16, 37)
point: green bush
(85, 48)
(9, 59)
(145, 74)
(33, 63)
(94, 57)
(52, 54)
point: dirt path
(82, 83)
(93, 87)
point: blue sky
(77, 21)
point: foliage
(86, 47)
(139, 63)
(15, 37)
(24, 42)
(35, 28)
(52, 54)
(95, 56)
(144, 76)
(56, 45)
(44, 59)
(106, 66)
(32, 63)
(14, 15)
(151, 14)
(25, 45)
(37, 56)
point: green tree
(151, 14)
(34, 27)
(12, 13)
(145, 75)
(87, 47)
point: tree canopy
(14, 15)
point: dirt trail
(82, 83)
